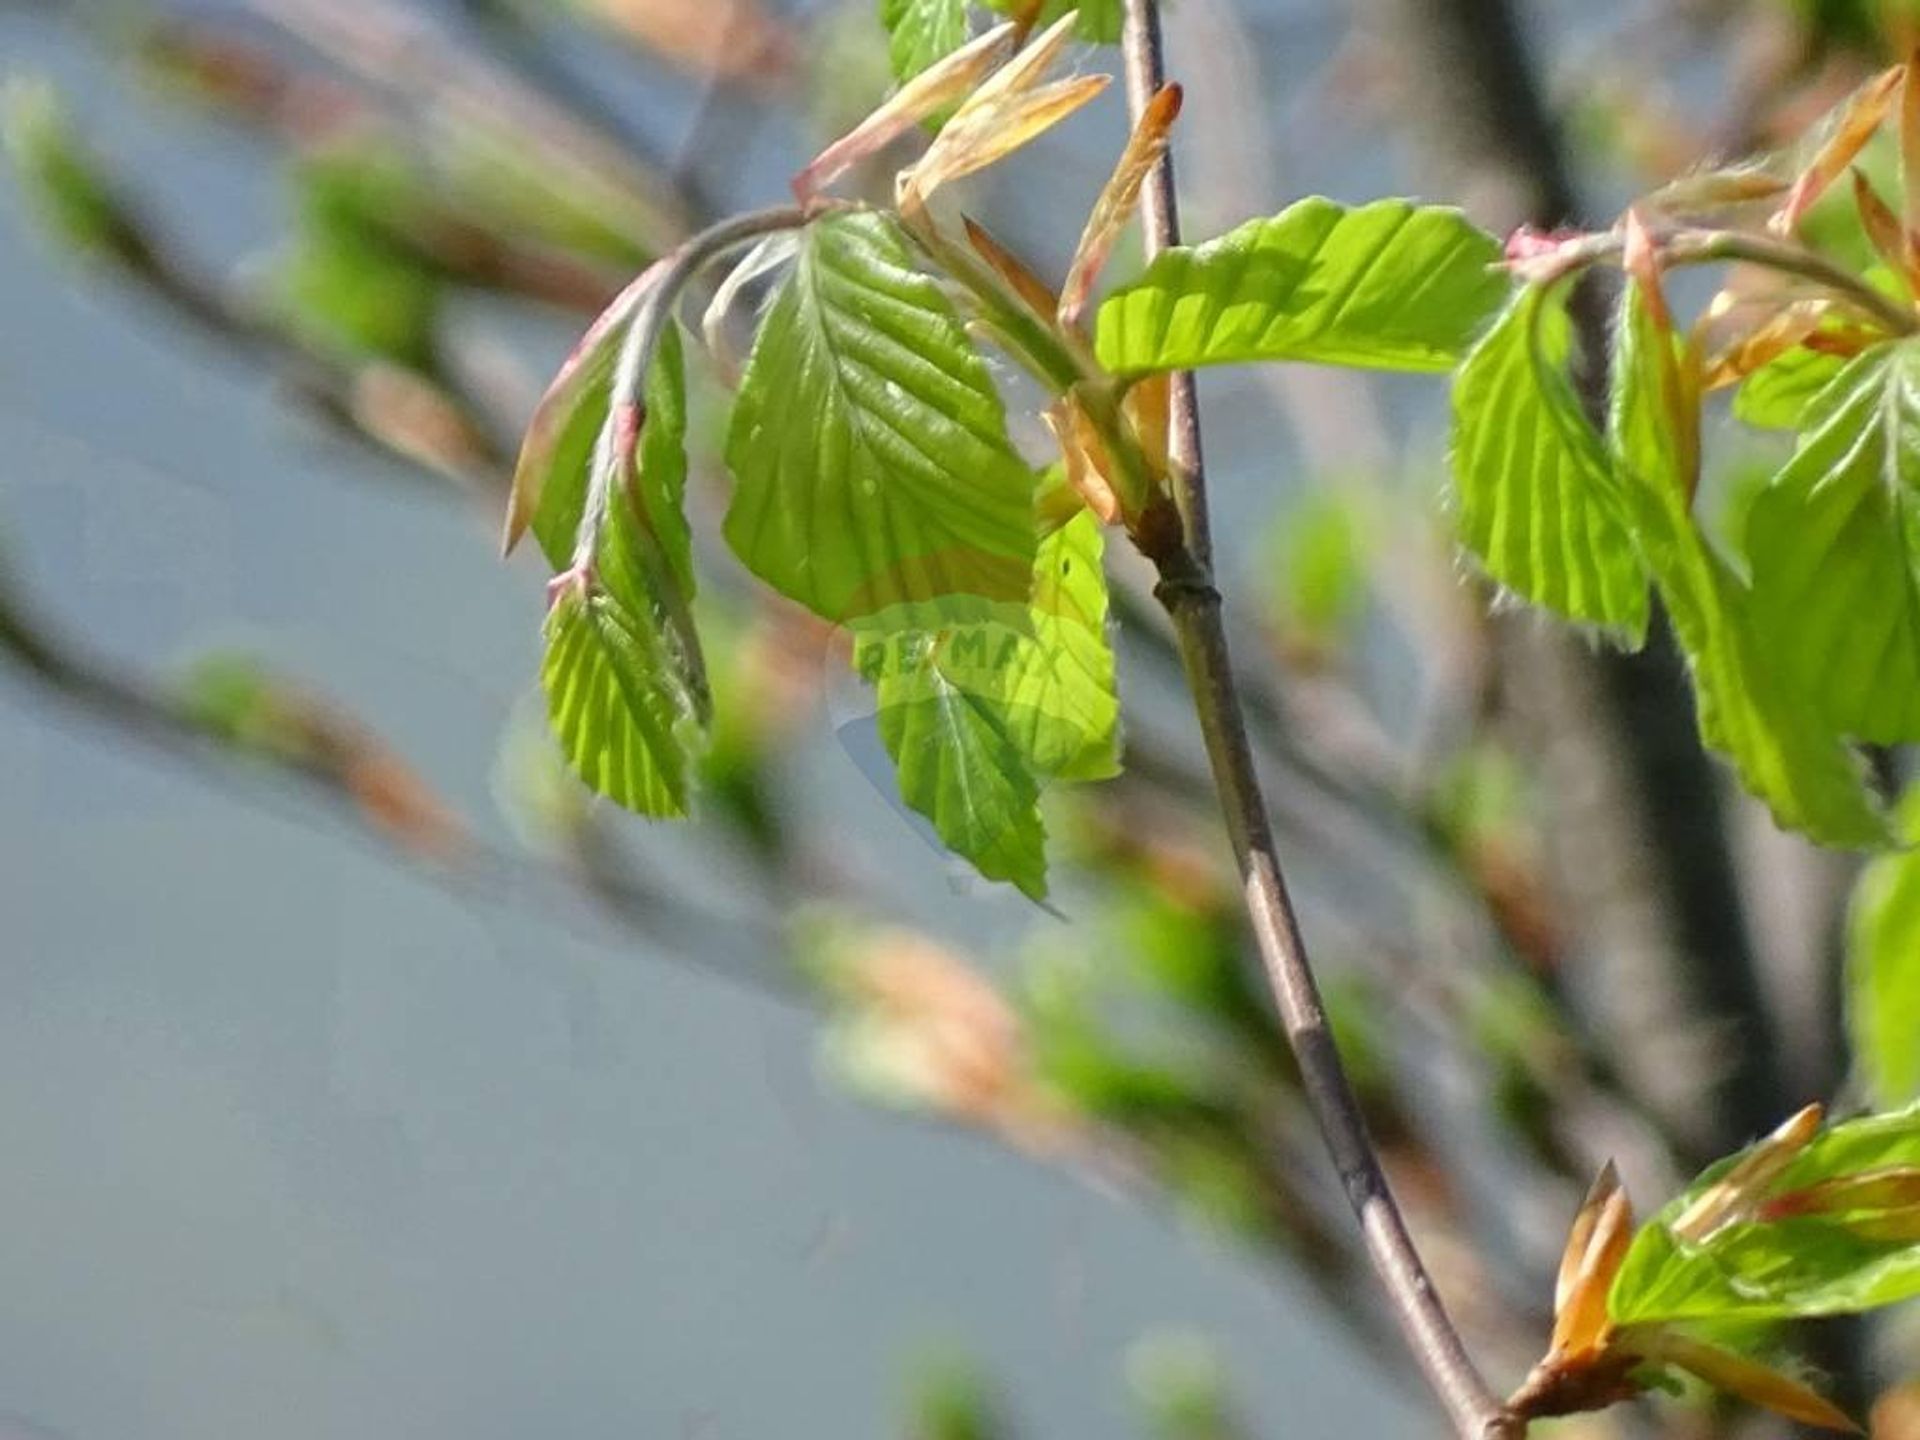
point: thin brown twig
(1182, 552)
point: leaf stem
(1181, 549)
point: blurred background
(358, 1077)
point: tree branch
(1181, 549)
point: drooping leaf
(1390, 286)
(1883, 970)
(1779, 745)
(868, 446)
(550, 476)
(980, 702)
(625, 683)
(1534, 495)
(1833, 544)
(1771, 1256)
(959, 766)
(921, 32)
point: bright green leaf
(868, 445)
(1883, 970)
(1759, 1268)
(1782, 749)
(626, 688)
(1833, 544)
(980, 702)
(1535, 499)
(1776, 396)
(921, 32)
(1387, 286)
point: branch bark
(1180, 546)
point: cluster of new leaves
(1805, 638)
(874, 480)
(1807, 1222)
(875, 483)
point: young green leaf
(1534, 494)
(1388, 286)
(1831, 1229)
(981, 701)
(1780, 746)
(920, 32)
(1833, 544)
(868, 446)
(1776, 396)
(625, 683)
(1883, 970)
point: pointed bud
(1117, 201)
(1853, 126)
(1736, 1196)
(993, 133)
(1596, 1247)
(934, 89)
(1882, 225)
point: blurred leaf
(1883, 970)
(1388, 286)
(1535, 498)
(1834, 547)
(951, 1401)
(63, 182)
(1780, 747)
(625, 682)
(349, 284)
(1180, 1382)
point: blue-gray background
(294, 1143)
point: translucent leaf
(921, 32)
(868, 446)
(960, 767)
(1776, 396)
(1391, 286)
(1833, 544)
(1883, 971)
(1534, 496)
(1752, 1267)
(1780, 746)
(982, 701)
(626, 688)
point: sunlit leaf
(625, 683)
(1883, 970)
(1390, 285)
(1534, 496)
(550, 477)
(868, 446)
(1779, 745)
(1751, 1267)
(1776, 396)
(1833, 544)
(982, 701)
(921, 32)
